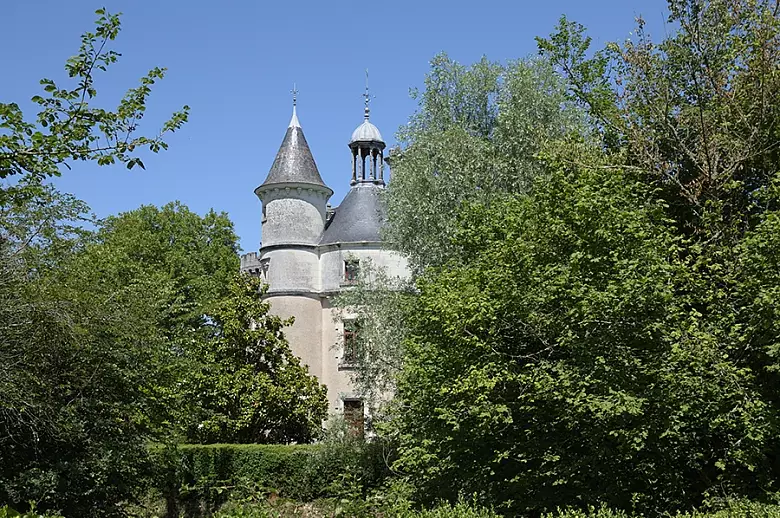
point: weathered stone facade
(308, 248)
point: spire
(367, 99)
(294, 162)
(294, 120)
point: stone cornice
(289, 246)
(290, 187)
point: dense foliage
(206, 476)
(473, 139)
(568, 361)
(610, 334)
(135, 331)
(71, 397)
(245, 384)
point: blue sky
(235, 61)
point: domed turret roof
(366, 132)
(294, 162)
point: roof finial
(367, 97)
(294, 120)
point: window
(353, 415)
(351, 271)
(350, 349)
(264, 265)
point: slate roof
(358, 218)
(294, 161)
(366, 132)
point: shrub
(7, 512)
(265, 510)
(731, 509)
(739, 509)
(201, 477)
(592, 512)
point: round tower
(294, 200)
(294, 197)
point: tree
(610, 334)
(69, 129)
(473, 139)
(75, 366)
(565, 363)
(249, 386)
(76, 371)
(174, 265)
(198, 255)
(697, 113)
(212, 380)
(39, 230)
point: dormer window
(351, 271)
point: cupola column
(354, 167)
(373, 165)
(363, 153)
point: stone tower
(294, 199)
(311, 252)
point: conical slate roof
(358, 218)
(294, 161)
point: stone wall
(293, 215)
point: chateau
(310, 251)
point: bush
(202, 477)
(602, 512)
(739, 509)
(7, 512)
(322, 509)
(732, 509)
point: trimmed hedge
(199, 478)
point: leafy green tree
(41, 228)
(697, 113)
(565, 362)
(611, 333)
(173, 264)
(223, 371)
(75, 366)
(474, 138)
(68, 128)
(249, 386)
(76, 369)
(198, 255)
